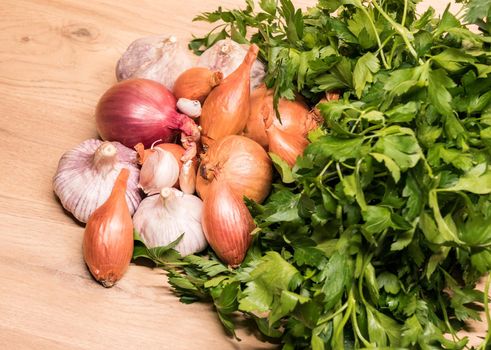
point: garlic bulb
(160, 170)
(160, 58)
(226, 56)
(161, 219)
(86, 175)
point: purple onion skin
(140, 110)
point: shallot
(108, 236)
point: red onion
(141, 110)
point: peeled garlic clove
(187, 177)
(159, 170)
(86, 175)
(226, 56)
(162, 218)
(108, 236)
(227, 223)
(191, 108)
(160, 58)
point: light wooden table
(56, 59)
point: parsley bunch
(378, 235)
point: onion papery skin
(227, 223)
(241, 163)
(286, 145)
(294, 116)
(140, 110)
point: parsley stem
(447, 321)
(324, 170)
(397, 27)
(379, 42)
(357, 330)
(404, 13)
(347, 314)
(331, 316)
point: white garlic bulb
(159, 170)
(86, 175)
(226, 55)
(160, 58)
(162, 218)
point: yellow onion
(227, 223)
(196, 83)
(263, 126)
(226, 109)
(239, 162)
(108, 236)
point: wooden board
(56, 59)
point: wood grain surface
(56, 59)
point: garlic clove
(86, 174)
(187, 177)
(191, 108)
(159, 170)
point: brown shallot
(285, 136)
(241, 163)
(196, 83)
(108, 236)
(226, 109)
(227, 223)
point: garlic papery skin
(160, 170)
(161, 219)
(86, 175)
(226, 56)
(160, 58)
